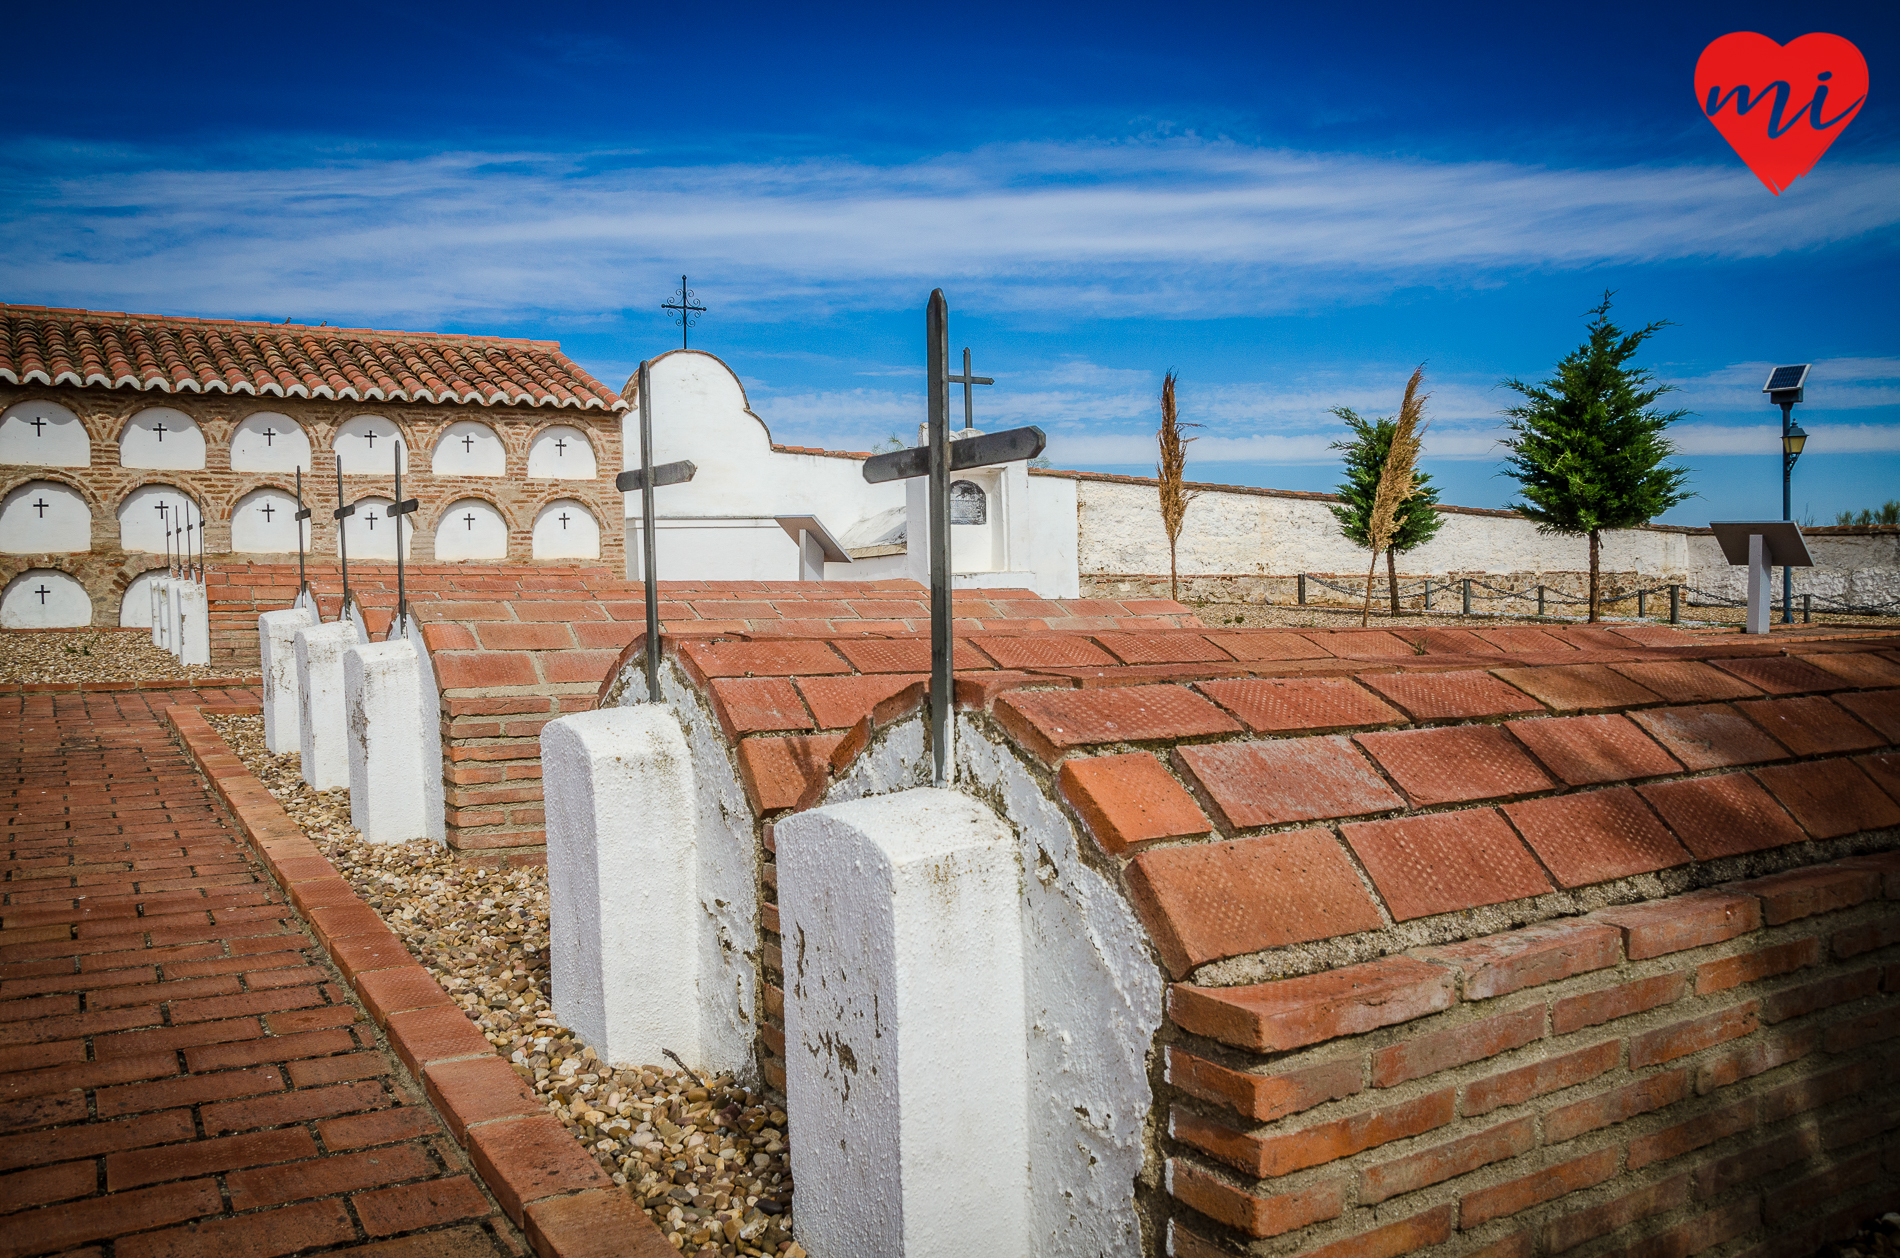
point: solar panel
(1786, 378)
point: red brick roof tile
(1862, 668)
(1444, 862)
(1269, 646)
(1830, 797)
(1129, 800)
(175, 355)
(781, 772)
(1162, 648)
(1294, 779)
(1884, 768)
(1454, 764)
(1686, 681)
(1457, 695)
(1710, 736)
(1294, 1012)
(1585, 750)
(1722, 816)
(755, 705)
(1810, 726)
(1578, 687)
(1595, 836)
(840, 702)
(1880, 708)
(1053, 722)
(1783, 675)
(1283, 704)
(1037, 652)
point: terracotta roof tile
(1687, 681)
(1595, 836)
(1517, 639)
(1161, 648)
(841, 702)
(1454, 642)
(1810, 726)
(1455, 764)
(753, 705)
(1294, 1012)
(1053, 722)
(1037, 652)
(1722, 816)
(1294, 779)
(174, 355)
(1129, 800)
(1884, 768)
(1585, 750)
(1578, 687)
(1862, 668)
(764, 659)
(1269, 645)
(1214, 900)
(1365, 644)
(1709, 736)
(1280, 705)
(1457, 695)
(1784, 675)
(782, 772)
(1098, 675)
(1445, 862)
(1879, 708)
(1830, 797)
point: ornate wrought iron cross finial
(686, 314)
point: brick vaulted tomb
(1509, 942)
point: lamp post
(1784, 388)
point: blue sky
(1291, 206)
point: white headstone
(622, 888)
(381, 700)
(321, 723)
(43, 434)
(564, 529)
(160, 436)
(277, 651)
(265, 523)
(906, 1058)
(362, 442)
(469, 448)
(269, 442)
(42, 517)
(471, 529)
(44, 598)
(561, 452)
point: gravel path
(1319, 616)
(706, 1159)
(89, 655)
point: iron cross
(303, 513)
(686, 313)
(937, 459)
(646, 478)
(42, 592)
(397, 510)
(966, 380)
(38, 424)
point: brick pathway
(180, 1071)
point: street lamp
(1784, 389)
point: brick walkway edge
(539, 1174)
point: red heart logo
(1780, 106)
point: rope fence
(1475, 590)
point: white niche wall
(270, 442)
(135, 606)
(471, 529)
(370, 532)
(148, 511)
(43, 434)
(44, 516)
(561, 453)
(565, 529)
(363, 443)
(265, 523)
(469, 448)
(161, 437)
(44, 598)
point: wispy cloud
(1152, 229)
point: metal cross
(560, 447)
(42, 592)
(38, 424)
(161, 430)
(937, 459)
(269, 511)
(303, 513)
(687, 314)
(42, 504)
(563, 519)
(646, 478)
(468, 443)
(966, 380)
(470, 518)
(341, 514)
(268, 434)
(372, 438)
(397, 510)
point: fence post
(1302, 589)
(1467, 596)
(1675, 604)
(1428, 593)
(1640, 594)
(1540, 600)
(1807, 609)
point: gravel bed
(705, 1158)
(1326, 616)
(89, 655)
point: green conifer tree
(1365, 455)
(1586, 448)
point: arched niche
(145, 514)
(265, 523)
(162, 437)
(564, 529)
(469, 448)
(561, 453)
(43, 434)
(135, 606)
(371, 534)
(471, 529)
(44, 516)
(968, 503)
(270, 442)
(44, 598)
(363, 443)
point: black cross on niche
(38, 424)
(470, 521)
(161, 430)
(42, 592)
(268, 512)
(468, 443)
(372, 438)
(268, 434)
(42, 504)
(563, 519)
(937, 459)
(560, 447)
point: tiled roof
(164, 354)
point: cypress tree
(1586, 448)
(1417, 521)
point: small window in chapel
(968, 503)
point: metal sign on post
(1761, 544)
(341, 514)
(397, 510)
(646, 478)
(937, 459)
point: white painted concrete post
(811, 557)
(906, 1058)
(623, 901)
(320, 718)
(194, 624)
(388, 799)
(157, 591)
(277, 649)
(1760, 583)
(168, 615)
